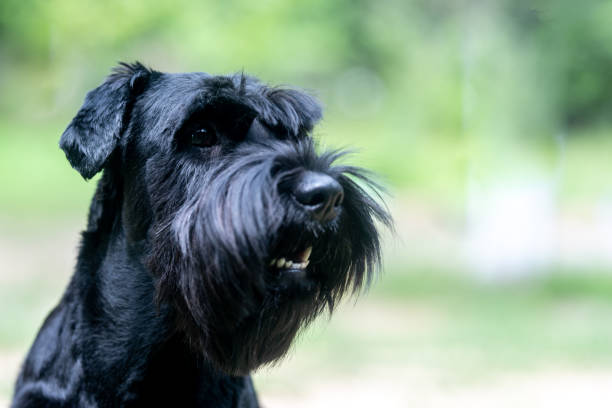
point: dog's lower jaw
(118, 348)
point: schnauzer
(215, 234)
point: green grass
(444, 324)
(563, 317)
(417, 281)
(430, 318)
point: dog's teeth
(306, 254)
(288, 264)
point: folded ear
(94, 132)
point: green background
(435, 96)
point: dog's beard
(211, 252)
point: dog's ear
(94, 132)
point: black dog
(215, 234)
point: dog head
(249, 232)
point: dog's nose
(320, 194)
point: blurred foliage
(431, 92)
(315, 40)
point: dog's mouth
(295, 262)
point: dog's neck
(142, 352)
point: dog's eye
(203, 137)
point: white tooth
(272, 262)
(305, 264)
(289, 265)
(280, 263)
(306, 254)
(301, 265)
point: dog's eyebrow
(233, 116)
(257, 132)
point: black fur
(173, 301)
